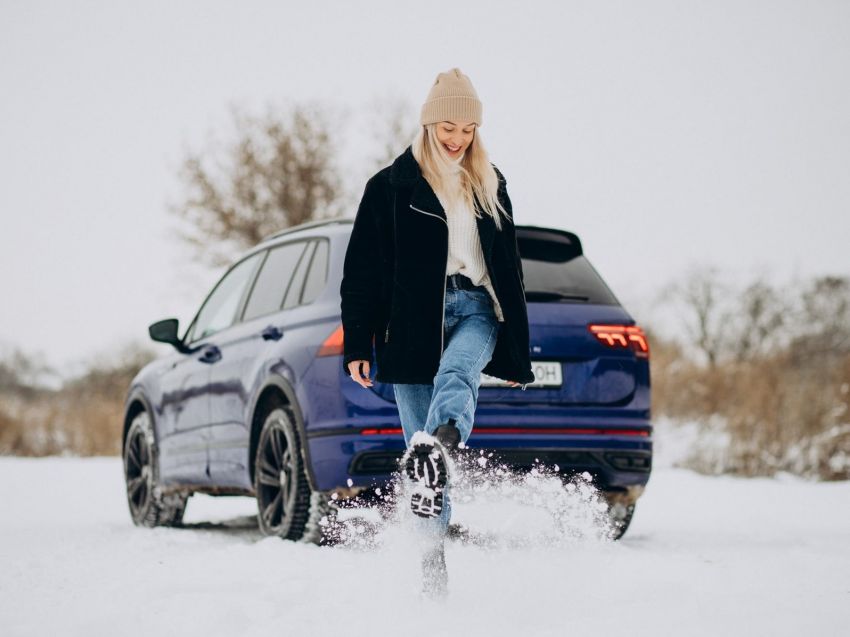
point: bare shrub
(778, 391)
(667, 363)
(83, 417)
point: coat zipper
(424, 212)
(395, 247)
(443, 316)
(443, 313)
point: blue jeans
(471, 328)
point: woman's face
(455, 137)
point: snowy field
(704, 556)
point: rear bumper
(349, 458)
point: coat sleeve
(510, 236)
(360, 289)
(510, 240)
(513, 241)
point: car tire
(620, 516)
(280, 480)
(149, 506)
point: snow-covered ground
(705, 556)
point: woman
(433, 275)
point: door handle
(211, 354)
(272, 333)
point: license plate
(546, 374)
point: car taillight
(332, 345)
(623, 336)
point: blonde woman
(432, 275)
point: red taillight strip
(333, 344)
(585, 431)
(383, 431)
(630, 336)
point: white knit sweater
(465, 254)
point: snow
(704, 556)
(422, 438)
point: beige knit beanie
(451, 98)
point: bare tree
(703, 295)
(824, 320)
(279, 171)
(395, 126)
(23, 373)
(761, 315)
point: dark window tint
(318, 274)
(267, 295)
(294, 292)
(219, 310)
(554, 270)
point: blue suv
(254, 400)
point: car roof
(340, 225)
(303, 227)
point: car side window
(219, 310)
(275, 276)
(293, 294)
(318, 275)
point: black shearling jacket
(394, 278)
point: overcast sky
(665, 134)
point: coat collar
(405, 169)
(406, 173)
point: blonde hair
(478, 178)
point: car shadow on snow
(243, 526)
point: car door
(244, 348)
(183, 410)
(187, 387)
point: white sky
(664, 133)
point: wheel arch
(136, 403)
(278, 391)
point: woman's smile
(455, 137)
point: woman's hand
(513, 383)
(355, 368)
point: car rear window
(554, 270)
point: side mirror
(165, 331)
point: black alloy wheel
(148, 505)
(280, 482)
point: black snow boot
(449, 435)
(426, 463)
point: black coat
(394, 280)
